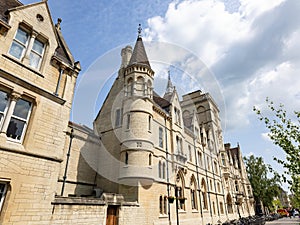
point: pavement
(285, 220)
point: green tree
(264, 180)
(285, 133)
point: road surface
(282, 221)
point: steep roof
(163, 103)
(139, 55)
(5, 5)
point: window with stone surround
(118, 117)
(14, 112)
(28, 44)
(3, 190)
(160, 137)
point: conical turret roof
(139, 55)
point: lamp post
(177, 198)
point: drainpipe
(67, 163)
(167, 159)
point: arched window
(200, 159)
(140, 86)
(204, 194)
(193, 188)
(180, 189)
(164, 170)
(215, 167)
(129, 89)
(159, 169)
(190, 153)
(229, 204)
(149, 89)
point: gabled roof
(139, 55)
(5, 5)
(163, 103)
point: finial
(140, 30)
(169, 75)
(58, 23)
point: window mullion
(30, 45)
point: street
(285, 220)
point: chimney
(126, 55)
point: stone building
(143, 150)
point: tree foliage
(285, 133)
(264, 180)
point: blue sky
(248, 48)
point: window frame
(160, 137)
(3, 194)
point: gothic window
(180, 189)
(229, 204)
(208, 163)
(204, 194)
(149, 89)
(14, 115)
(130, 87)
(193, 189)
(161, 137)
(25, 44)
(163, 205)
(218, 186)
(3, 190)
(200, 159)
(177, 116)
(140, 86)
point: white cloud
(265, 136)
(252, 50)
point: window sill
(195, 211)
(161, 216)
(23, 65)
(181, 211)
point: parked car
(283, 212)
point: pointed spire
(170, 87)
(139, 55)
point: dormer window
(28, 46)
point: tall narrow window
(160, 204)
(3, 105)
(159, 169)
(214, 208)
(36, 54)
(149, 123)
(128, 122)
(126, 158)
(118, 118)
(204, 194)
(200, 159)
(190, 153)
(161, 137)
(236, 186)
(164, 170)
(223, 159)
(165, 205)
(3, 190)
(221, 208)
(150, 159)
(229, 204)
(193, 193)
